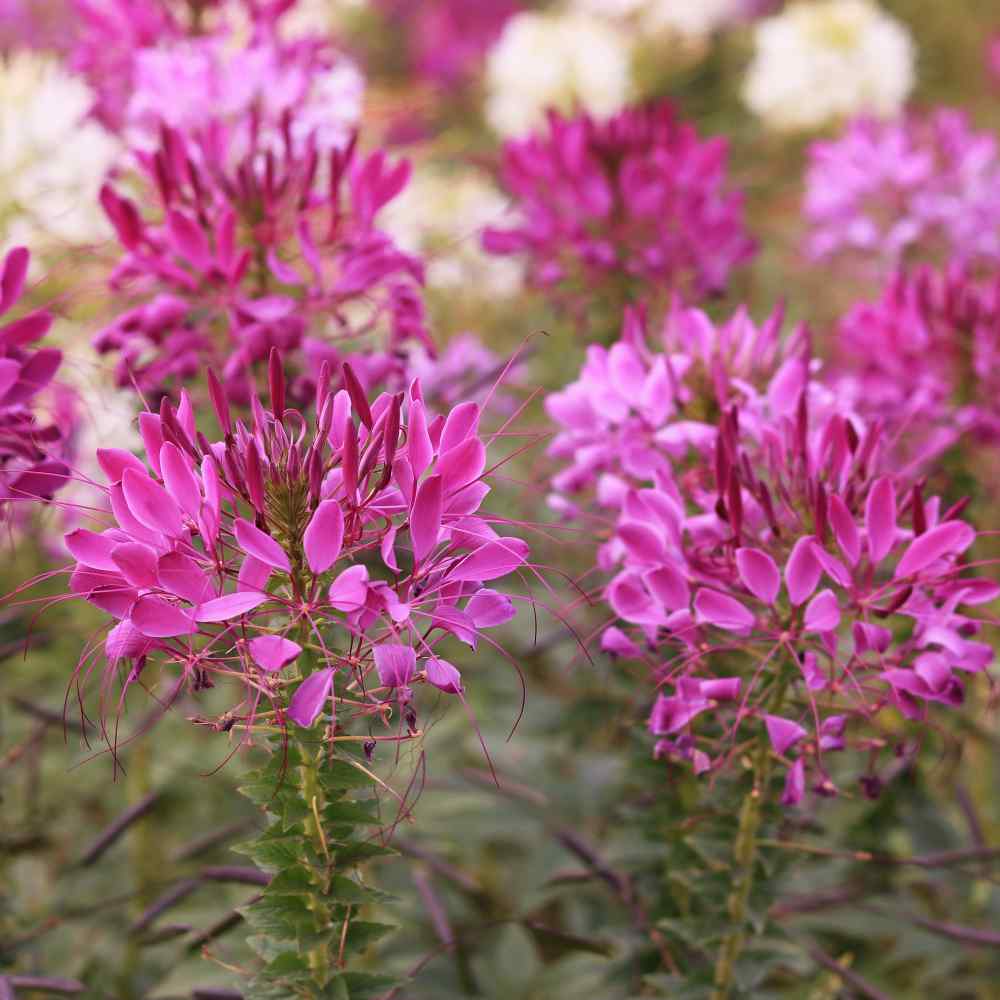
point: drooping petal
(395, 664)
(822, 612)
(783, 733)
(137, 563)
(880, 518)
(324, 536)
(723, 611)
(462, 464)
(273, 652)
(156, 618)
(795, 784)
(307, 702)
(349, 591)
(667, 584)
(492, 560)
(948, 539)
(260, 545)
(802, 571)
(151, 505)
(221, 609)
(487, 608)
(630, 599)
(114, 462)
(461, 424)
(183, 577)
(759, 573)
(253, 574)
(444, 675)
(425, 519)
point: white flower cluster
(52, 159)
(821, 61)
(690, 19)
(440, 216)
(557, 60)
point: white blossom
(826, 60)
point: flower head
(884, 192)
(637, 196)
(339, 551)
(822, 61)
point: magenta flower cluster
(768, 562)
(293, 552)
(638, 197)
(32, 451)
(885, 192)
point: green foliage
(308, 924)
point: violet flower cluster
(300, 557)
(886, 192)
(32, 451)
(769, 564)
(638, 198)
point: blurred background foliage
(566, 876)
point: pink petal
(127, 520)
(114, 462)
(880, 518)
(107, 591)
(253, 574)
(349, 591)
(492, 560)
(125, 642)
(462, 423)
(260, 545)
(151, 505)
(950, 538)
(844, 528)
(228, 606)
(487, 608)
(822, 612)
(462, 464)
(723, 611)
(183, 577)
(443, 675)
(425, 519)
(395, 664)
(12, 275)
(783, 733)
(152, 437)
(795, 784)
(156, 618)
(92, 549)
(721, 688)
(802, 571)
(759, 573)
(324, 536)
(668, 585)
(419, 449)
(180, 480)
(629, 599)
(137, 563)
(307, 702)
(273, 652)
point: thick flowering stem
(745, 857)
(317, 840)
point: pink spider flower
(637, 198)
(271, 250)
(319, 562)
(809, 591)
(924, 359)
(886, 192)
(31, 452)
(446, 40)
(637, 409)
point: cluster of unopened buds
(773, 569)
(292, 553)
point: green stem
(745, 857)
